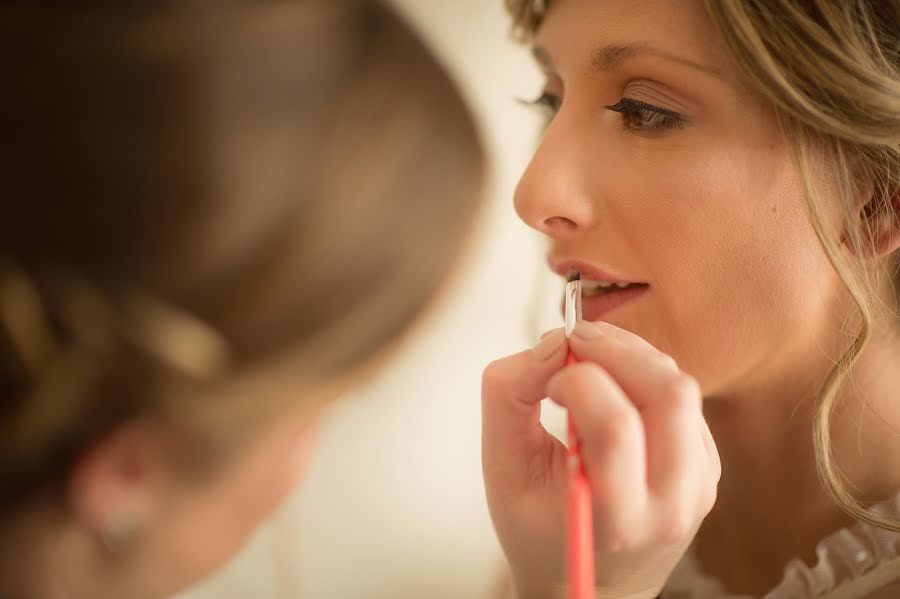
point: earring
(539, 7)
(118, 532)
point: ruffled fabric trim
(844, 558)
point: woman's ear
(116, 486)
(880, 224)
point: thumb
(511, 393)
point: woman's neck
(771, 505)
(42, 557)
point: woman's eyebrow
(611, 56)
(607, 58)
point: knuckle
(616, 429)
(616, 538)
(709, 495)
(583, 376)
(579, 382)
(496, 377)
(668, 361)
(677, 528)
(717, 469)
(683, 392)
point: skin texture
(710, 213)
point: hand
(648, 453)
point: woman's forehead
(605, 33)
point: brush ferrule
(573, 305)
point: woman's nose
(553, 195)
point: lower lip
(595, 307)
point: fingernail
(587, 330)
(548, 345)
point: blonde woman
(215, 217)
(726, 175)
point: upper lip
(588, 271)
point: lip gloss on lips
(603, 291)
(580, 542)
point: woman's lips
(587, 271)
(595, 307)
(602, 291)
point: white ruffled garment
(858, 562)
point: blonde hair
(831, 69)
(195, 189)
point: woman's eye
(545, 101)
(642, 117)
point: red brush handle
(580, 523)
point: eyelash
(636, 115)
(640, 116)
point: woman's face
(658, 167)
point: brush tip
(574, 275)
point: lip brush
(580, 541)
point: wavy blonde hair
(831, 69)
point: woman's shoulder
(858, 562)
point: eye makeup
(641, 116)
(637, 116)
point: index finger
(643, 372)
(669, 402)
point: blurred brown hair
(192, 188)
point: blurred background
(393, 506)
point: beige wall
(393, 506)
